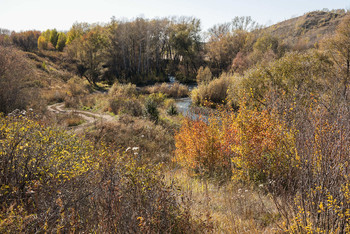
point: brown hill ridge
(308, 29)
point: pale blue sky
(61, 14)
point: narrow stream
(183, 105)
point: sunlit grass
(231, 207)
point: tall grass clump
(175, 90)
(213, 92)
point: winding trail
(89, 117)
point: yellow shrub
(265, 147)
(255, 144)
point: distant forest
(145, 51)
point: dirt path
(89, 117)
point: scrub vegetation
(92, 138)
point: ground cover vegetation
(270, 155)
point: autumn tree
(52, 40)
(5, 37)
(46, 34)
(77, 30)
(140, 50)
(42, 43)
(131, 52)
(240, 63)
(27, 41)
(53, 37)
(266, 42)
(227, 40)
(61, 41)
(220, 47)
(89, 51)
(186, 45)
(143, 50)
(290, 83)
(244, 23)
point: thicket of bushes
(304, 166)
(52, 181)
(126, 99)
(17, 81)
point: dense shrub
(254, 145)
(122, 105)
(40, 169)
(54, 95)
(15, 78)
(158, 98)
(52, 181)
(204, 75)
(155, 142)
(27, 40)
(317, 198)
(172, 110)
(123, 100)
(263, 148)
(295, 79)
(151, 109)
(303, 164)
(77, 87)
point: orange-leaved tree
(251, 145)
(198, 148)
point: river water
(184, 105)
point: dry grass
(154, 141)
(214, 92)
(54, 95)
(68, 120)
(307, 29)
(74, 120)
(126, 90)
(232, 208)
(175, 90)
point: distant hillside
(306, 30)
